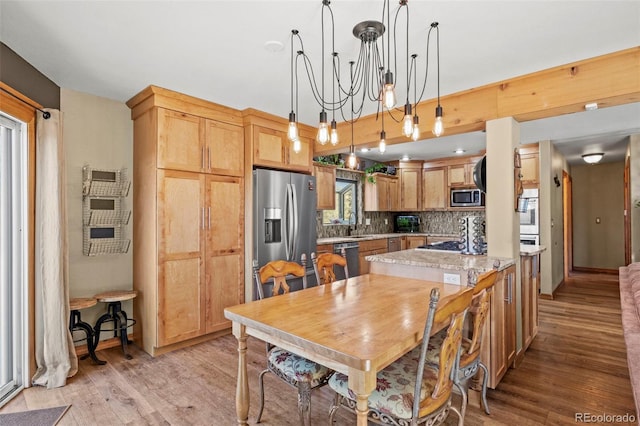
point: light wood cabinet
(269, 145)
(410, 187)
(530, 169)
(461, 174)
(324, 248)
(367, 248)
(415, 241)
(326, 186)
(434, 189)
(499, 339)
(381, 196)
(188, 207)
(530, 281)
(191, 143)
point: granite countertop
(528, 250)
(442, 260)
(335, 240)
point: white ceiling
(215, 50)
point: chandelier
(372, 79)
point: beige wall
(598, 192)
(97, 132)
(552, 163)
(634, 152)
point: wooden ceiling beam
(611, 79)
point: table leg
(362, 409)
(362, 383)
(242, 387)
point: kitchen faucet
(349, 230)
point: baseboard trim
(518, 358)
(553, 294)
(596, 270)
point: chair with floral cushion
(299, 372)
(408, 391)
(323, 266)
(470, 349)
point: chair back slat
(449, 312)
(480, 307)
(278, 270)
(323, 266)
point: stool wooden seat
(116, 315)
(76, 323)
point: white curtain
(55, 354)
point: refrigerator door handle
(295, 236)
(287, 225)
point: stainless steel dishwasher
(394, 244)
(351, 253)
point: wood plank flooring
(576, 364)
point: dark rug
(42, 417)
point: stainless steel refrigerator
(284, 220)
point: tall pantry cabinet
(188, 218)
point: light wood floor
(576, 364)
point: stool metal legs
(76, 323)
(120, 320)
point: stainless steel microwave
(466, 198)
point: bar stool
(116, 315)
(76, 324)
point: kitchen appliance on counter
(406, 223)
(284, 220)
(472, 234)
(530, 217)
(466, 198)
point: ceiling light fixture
(591, 107)
(372, 78)
(365, 149)
(459, 151)
(593, 158)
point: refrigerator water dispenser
(272, 225)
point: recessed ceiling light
(273, 46)
(365, 149)
(405, 158)
(592, 106)
(459, 151)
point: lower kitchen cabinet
(499, 339)
(368, 248)
(415, 241)
(323, 248)
(530, 280)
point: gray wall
(598, 195)
(22, 76)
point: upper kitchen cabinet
(326, 186)
(410, 185)
(461, 174)
(530, 165)
(192, 141)
(270, 145)
(382, 194)
(434, 188)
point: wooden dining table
(356, 326)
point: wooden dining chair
(324, 264)
(470, 347)
(409, 391)
(296, 371)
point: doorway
(13, 257)
(567, 214)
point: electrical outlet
(386, 221)
(367, 221)
(452, 279)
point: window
(345, 212)
(13, 256)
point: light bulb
(438, 127)
(415, 134)
(297, 145)
(292, 132)
(388, 92)
(382, 146)
(334, 133)
(323, 129)
(352, 160)
(407, 122)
